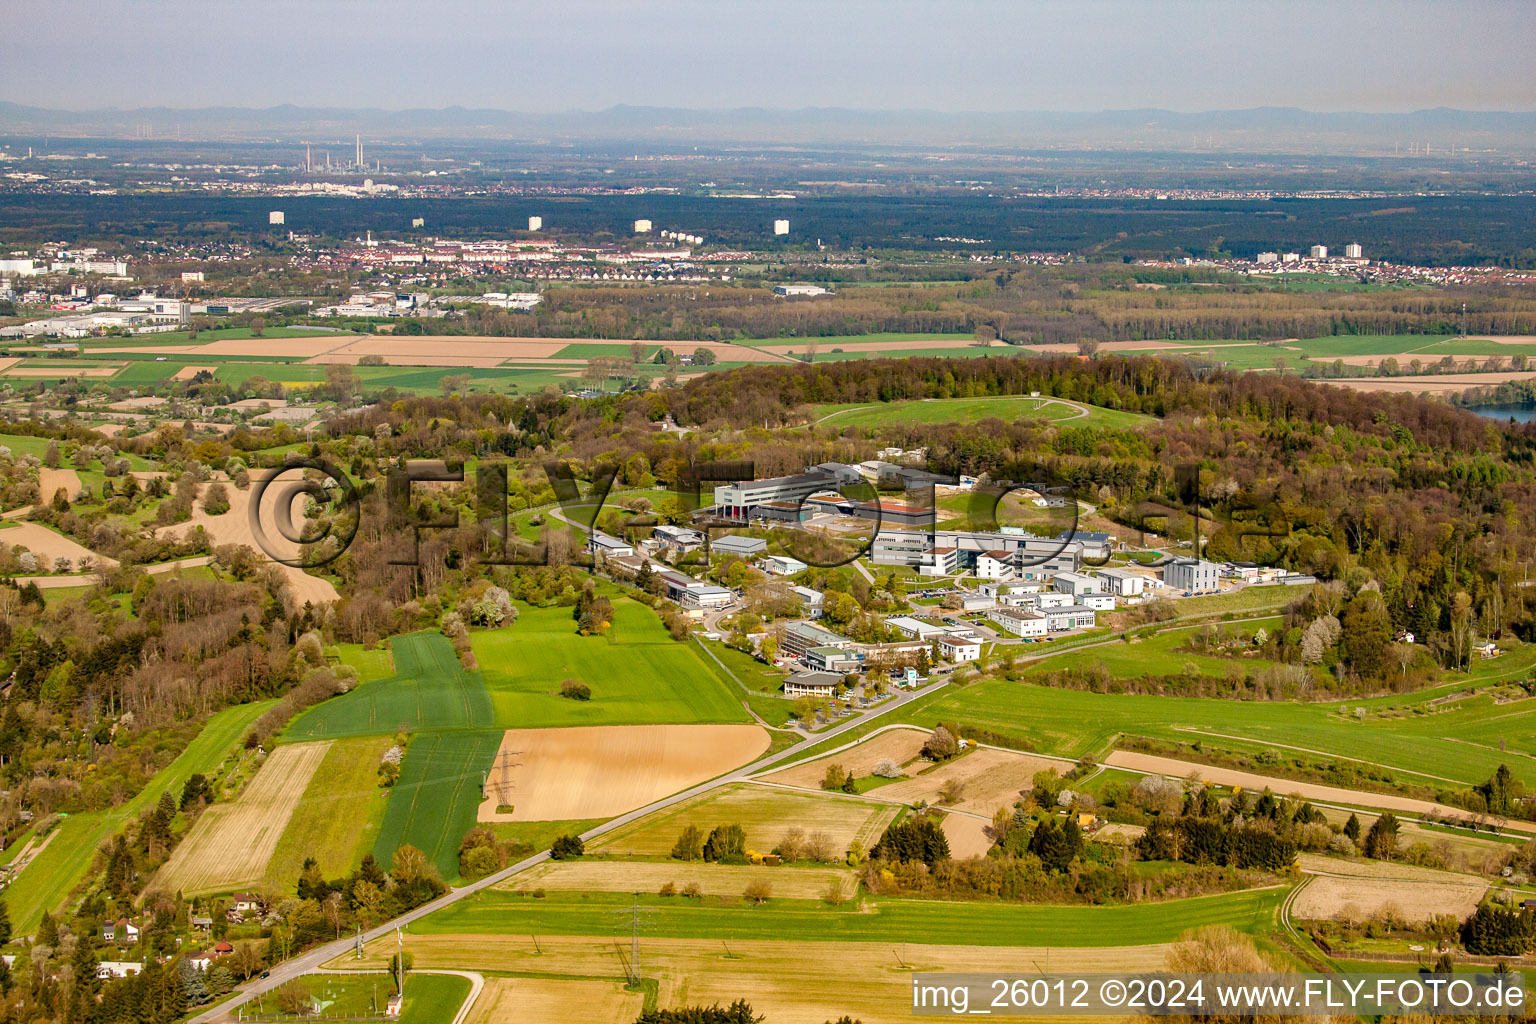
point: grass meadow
(638, 674)
(896, 920)
(429, 690)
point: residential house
(118, 968)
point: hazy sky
(551, 55)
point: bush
(567, 848)
(575, 690)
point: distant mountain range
(1262, 129)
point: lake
(1518, 411)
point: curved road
(311, 961)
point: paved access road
(309, 962)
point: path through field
(1150, 763)
(234, 527)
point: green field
(429, 690)
(338, 818)
(637, 672)
(896, 920)
(970, 410)
(429, 998)
(1158, 655)
(434, 803)
(48, 880)
(827, 344)
(1460, 743)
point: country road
(307, 963)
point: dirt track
(234, 527)
(1434, 385)
(603, 771)
(1310, 790)
(992, 779)
(900, 745)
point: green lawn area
(916, 921)
(1459, 743)
(429, 690)
(24, 444)
(338, 818)
(429, 998)
(435, 801)
(969, 410)
(48, 880)
(205, 337)
(1371, 345)
(594, 349)
(1157, 655)
(834, 341)
(637, 672)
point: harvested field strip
(789, 981)
(765, 813)
(429, 690)
(900, 745)
(434, 803)
(604, 771)
(648, 876)
(897, 920)
(967, 836)
(1326, 896)
(550, 1001)
(230, 844)
(990, 779)
(337, 819)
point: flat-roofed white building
(959, 648)
(1122, 582)
(1074, 583)
(782, 565)
(1018, 621)
(916, 628)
